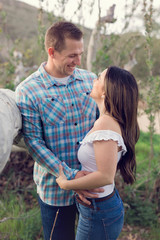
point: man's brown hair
(58, 32)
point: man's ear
(51, 52)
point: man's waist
(55, 196)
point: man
(10, 125)
(57, 113)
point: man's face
(66, 60)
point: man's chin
(70, 72)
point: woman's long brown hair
(121, 101)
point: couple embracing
(77, 153)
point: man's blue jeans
(104, 221)
(65, 224)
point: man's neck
(50, 69)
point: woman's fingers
(61, 170)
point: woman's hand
(62, 180)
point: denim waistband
(95, 199)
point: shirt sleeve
(32, 127)
(105, 135)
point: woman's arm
(106, 160)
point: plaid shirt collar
(51, 81)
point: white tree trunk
(92, 48)
(93, 42)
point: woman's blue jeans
(104, 221)
(65, 223)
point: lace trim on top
(106, 135)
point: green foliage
(142, 157)
(140, 212)
(155, 233)
(3, 20)
(10, 68)
(7, 70)
(10, 85)
(120, 49)
(151, 90)
(41, 34)
(22, 223)
(103, 58)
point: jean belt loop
(94, 204)
(116, 191)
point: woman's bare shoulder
(106, 122)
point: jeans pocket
(113, 225)
(113, 219)
(85, 212)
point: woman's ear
(103, 95)
(51, 52)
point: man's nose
(78, 60)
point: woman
(110, 145)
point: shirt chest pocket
(53, 111)
(88, 106)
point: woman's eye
(98, 76)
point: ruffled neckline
(100, 135)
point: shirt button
(75, 124)
(52, 99)
(87, 93)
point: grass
(19, 221)
(146, 169)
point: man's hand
(83, 194)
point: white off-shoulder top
(86, 154)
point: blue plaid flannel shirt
(56, 118)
